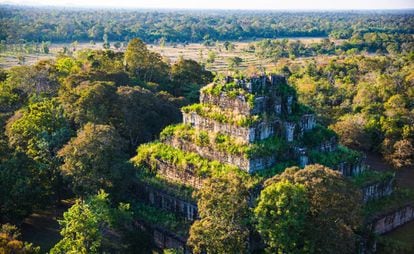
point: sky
(227, 4)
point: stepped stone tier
(250, 111)
(254, 124)
(248, 125)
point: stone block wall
(388, 222)
(186, 176)
(351, 169)
(238, 104)
(377, 190)
(165, 239)
(254, 133)
(307, 122)
(328, 146)
(239, 160)
(171, 203)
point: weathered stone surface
(377, 190)
(171, 203)
(289, 131)
(289, 103)
(183, 176)
(351, 169)
(388, 222)
(240, 160)
(254, 133)
(328, 145)
(165, 239)
(238, 104)
(307, 122)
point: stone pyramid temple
(255, 125)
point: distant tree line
(68, 25)
(373, 42)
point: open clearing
(171, 52)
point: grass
(151, 155)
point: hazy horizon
(223, 5)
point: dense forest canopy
(72, 120)
(66, 25)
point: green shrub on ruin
(333, 159)
(215, 113)
(225, 143)
(372, 176)
(153, 153)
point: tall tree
(39, 131)
(92, 226)
(188, 77)
(144, 64)
(139, 115)
(89, 102)
(95, 159)
(281, 215)
(334, 213)
(224, 212)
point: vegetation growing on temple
(224, 143)
(154, 153)
(333, 159)
(70, 125)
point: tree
(89, 102)
(10, 243)
(402, 154)
(92, 226)
(234, 62)
(162, 42)
(21, 59)
(33, 80)
(45, 47)
(211, 57)
(188, 77)
(143, 64)
(39, 131)
(351, 131)
(95, 159)
(228, 46)
(334, 213)
(140, 115)
(20, 190)
(281, 217)
(224, 212)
